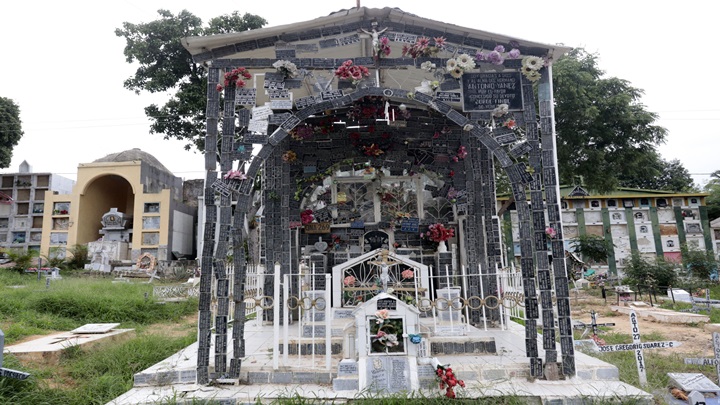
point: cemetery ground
(99, 374)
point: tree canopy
(604, 133)
(660, 174)
(10, 130)
(713, 200)
(166, 66)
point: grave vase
(442, 247)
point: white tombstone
(386, 329)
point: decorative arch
(530, 165)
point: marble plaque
(693, 382)
(96, 328)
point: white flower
(457, 72)
(428, 66)
(532, 75)
(466, 62)
(451, 64)
(500, 110)
(391, 340)
(533, 62)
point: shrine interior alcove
(374, 167)
(100, 196)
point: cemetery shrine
(363, 147)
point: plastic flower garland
(438, 233)
(235, 76)
(448, 380)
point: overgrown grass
(73, 301)
(85, 376)
(94, 377)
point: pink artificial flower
(407, 274)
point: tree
(642, 272)
(700, 263)
(713, 200)
(660, 174)
(10, 130)
(593, 248)
(604, 133)
(166, 66)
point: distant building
(137, 185)
(651, 222)
(22, 205)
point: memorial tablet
(485, 91)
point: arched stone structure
(530, 165)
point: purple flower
(514, 44)
(499, 48)
(495, 58)
(514, 53)
(480, 56)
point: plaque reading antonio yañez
(485, 91)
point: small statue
(375, 34)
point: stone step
(346, 383)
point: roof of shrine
(205, 48)
(131, 155)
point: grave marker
(638, 347)
(6, 372)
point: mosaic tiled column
(205, 295)
(552, 199)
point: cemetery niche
(377, 135)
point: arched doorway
(100, 195)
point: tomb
(377, 252)
(113, 245)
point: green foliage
(660, 174)
(101, 375)
(640, 271)
(698, 262)
(713, 200)
(593, 248)
(166, 66)
(23, 259)
(79, 257)
(10, 130)
(604, 132)
(74, 301)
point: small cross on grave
(706, 361)
(638, 347)
(593, 325)
(6, 372)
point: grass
(74, 301)
(106, 371)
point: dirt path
(696, 342)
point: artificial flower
(466, 62)
(451, 64)
(514, 53)
(349, 281)
(286, 67)
(499, 49)
(495, 58)
(533, 62)
(408, 273)
(500, 110)
(428, 66)
(457, 72)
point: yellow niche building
(147, 196)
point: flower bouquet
(354, 73)
(438, 233)
(236, 77)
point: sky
(64, 66)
